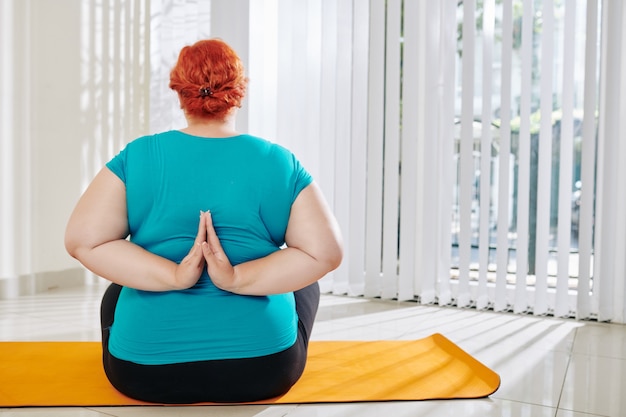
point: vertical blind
(449, 185)
(114, 79)
(457, 142)
(472, 172)
(514, 245)
(128, 48)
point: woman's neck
(211, 128)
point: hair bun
(206, 92)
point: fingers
(195, 257)
(196, 254)
(213, 246)
(212, 249)
(218, 265)
(201, 235)
(196, 251)
(211, 235)
(190, 268)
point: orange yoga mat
(71, 374)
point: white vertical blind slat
(375, 132)
(127, 69)
(618, 289)
(310, 151)
(544, 168)
(342, 134)
(263, 67)
(585, 233)
(611, 203)
(427, 45)
(523, 186)
(561, 307)
(119, 43)
(466, 163)
(423, 280)
(504, 157)
(102, 147)
(358, 171)
(142, 45)
(482, 298)
(303, 85)
(445, 80)
(139, 101)
(607, 170)
(328, 88)
(409, 154)
(288, 77)
(391, 150)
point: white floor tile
(453, 408)
(51, 412)
(197, 411)
(544, 363)
(530, 375)
(601, 339)
(595, 385)
(569, 413)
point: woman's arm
(314, 248)
(96, 236)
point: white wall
(55, 126)
(40, 136)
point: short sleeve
(117, 165)
(302, 178)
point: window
(517, 169)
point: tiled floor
(549, 367)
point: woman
(214, 294)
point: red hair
(209, 79)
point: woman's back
(249, 185)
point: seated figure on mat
(215, 291)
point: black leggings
(228, 380)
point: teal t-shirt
(249, 185)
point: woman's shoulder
(271, 147)
(142, 140)
(148, 141)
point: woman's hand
(190, 269)
(314, 248)
(218, 265)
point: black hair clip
(204, 92)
